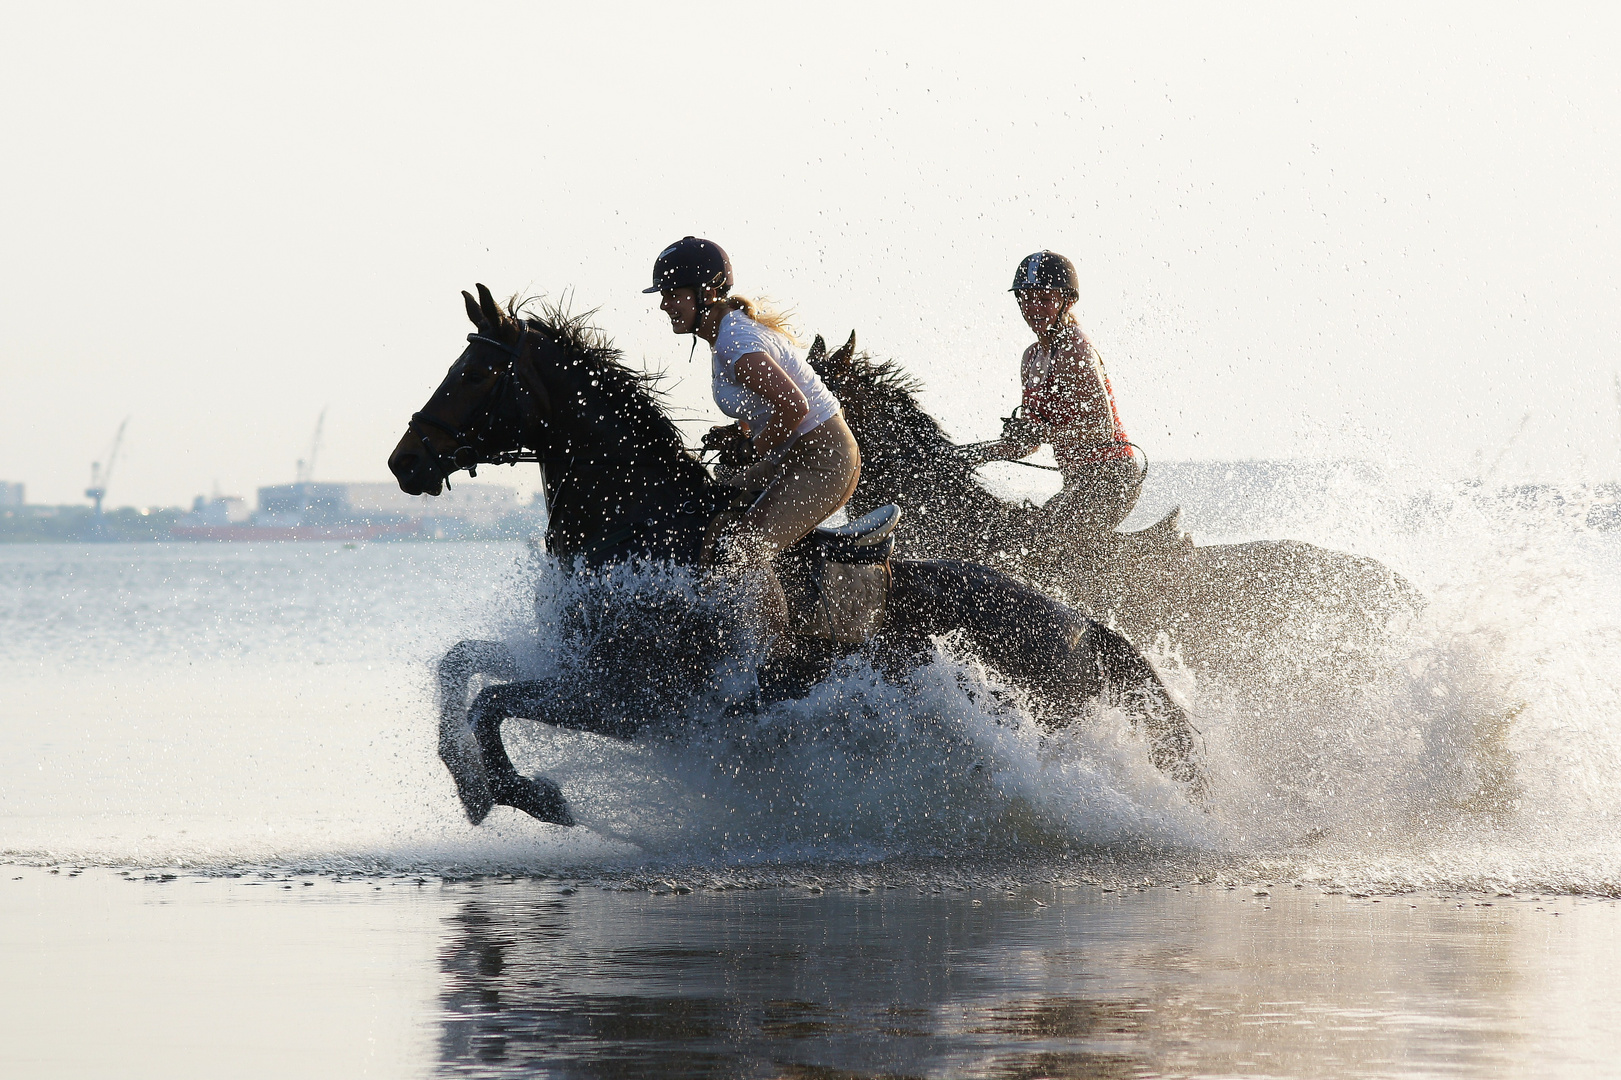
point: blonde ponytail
(766, 315)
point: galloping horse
(1258, 614)
(621, 489)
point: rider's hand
(1019, 431)
(722, 435)
(747, 479)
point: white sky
(1376, 233)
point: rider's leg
(817, 477)
(1095, 502)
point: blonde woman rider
(808, 462)
(1066, 402)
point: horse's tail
(1130, 682)
(1063, 658)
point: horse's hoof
(539, 798)
(458, 749)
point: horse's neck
(919, 470)
(922, 468)
(608, 483)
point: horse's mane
(881, 392)
(895, 390)
(908, 458)
(635, 395)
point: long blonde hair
(767, 315)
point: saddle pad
(848, 603)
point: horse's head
(552, 389)
(906, 457)
(490, 404)
(837, 370)
(879, 401)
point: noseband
(481, 419)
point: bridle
(481, 420)
(480, 430)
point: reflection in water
(1071, 983)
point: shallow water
(274, 975)
(266, 710)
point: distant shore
(78, 525)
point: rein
(1141, 478)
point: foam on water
(271, 706)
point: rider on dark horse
(1068, 404)
(805, 461)
(623, 490)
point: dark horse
(1256, 614)
(622, 491)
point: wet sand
(136, 973)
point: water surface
(265, 976)
(878, 880)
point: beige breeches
(817, 477)
(1095, 502)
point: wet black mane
(635, 395)
(883, 387)
(618, 474)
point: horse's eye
(476, 372)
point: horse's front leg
(458, 747)
(1174, 745)
(560, 702)
(503, 785)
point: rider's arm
(1003, 449)
(758, 372)
(1018, 440)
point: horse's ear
(818, 352)
(843, 360)
(490, 309)
(474, 313)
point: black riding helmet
(692, 263)
(1047, 270)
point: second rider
(1067, 402)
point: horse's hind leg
(458, 747)
(1134, 685)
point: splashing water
(249, 706)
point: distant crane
(1507, 446)
(305, 473)
(102, 475)
(1617, 378)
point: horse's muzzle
(414, 469)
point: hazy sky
(1375, 233)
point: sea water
(249, 718)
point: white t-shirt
(740, 335)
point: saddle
(837, 580)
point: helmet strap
(700, 309)
(1061, 322)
